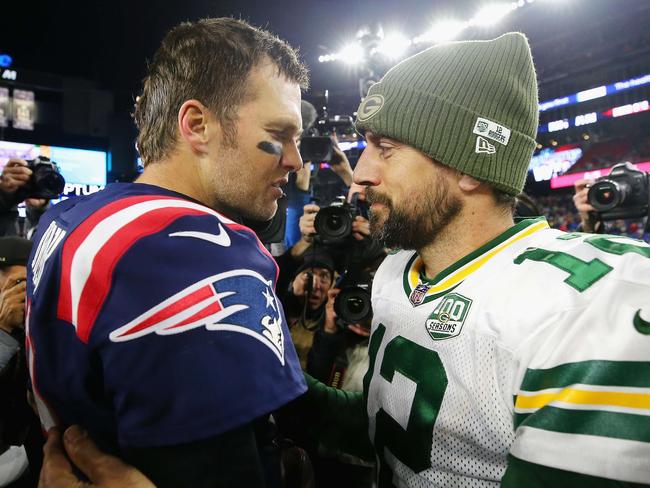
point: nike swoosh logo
(641, 325)
(221, 239)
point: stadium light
(351, 54)
(442, 31)
(491, 14)
(394, 45)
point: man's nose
(366, 172)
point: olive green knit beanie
(470, 105)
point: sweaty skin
(270, 148)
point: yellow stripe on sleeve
(583, 397)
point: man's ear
(467, 183)
(196, 125)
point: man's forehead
(319, 269)
(275, 99)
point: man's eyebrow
(378, 137)
(284, 127)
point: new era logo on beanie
(484, 147)
(441, 99)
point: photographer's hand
(102, 470)
(360, 228)
(36, 203)
(307, 230)
(299, 284)
(581, 202)
(330, 315)
(12, 301)
(306, 224)
(15, 175)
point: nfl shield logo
(418, 294)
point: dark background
(109, 41)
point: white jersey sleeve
(582, 392)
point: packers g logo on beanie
(370, 106)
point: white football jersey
(535, 345)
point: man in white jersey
(501, 352)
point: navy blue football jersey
(153, 320)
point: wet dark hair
(210, 61)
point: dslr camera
(46, 181)
(622, 194)
(334, 223)
(317, 146)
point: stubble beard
(416, 225)
(228, 196)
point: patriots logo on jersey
(239, 301)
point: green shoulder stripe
(596, 372)
(588, 422)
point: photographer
(317, 149)
(15, 176)
(331, 349)
(339, 358)
(588, 222)
(304, 302)
(339, 353)
(19, 428)
(618, 210)
(292, 259)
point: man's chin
(260, 214)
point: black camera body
(622, 194)
(316, 145)
(353, 304)
(334, 223)
(328, 124)
(46, 181)
(316, 148)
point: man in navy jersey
(152, 314)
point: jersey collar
(454, 275)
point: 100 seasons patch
(448, 318)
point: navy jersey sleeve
(186, 324)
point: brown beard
(416, 226)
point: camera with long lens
(316, 145)
(334, 223)
(45, 182)
(353, 305)
(623, 194)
